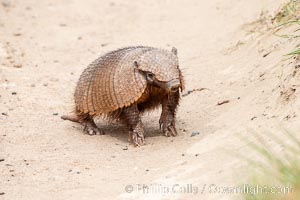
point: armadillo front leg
(167, 118)
(131, 116)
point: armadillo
(125, 83)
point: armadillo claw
(160, 124)
(92, 130)
(170, 131)
(137, 138)
(167, 125)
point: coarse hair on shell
(114, 81)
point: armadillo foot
(168, 128)
(171, 131)
(91, 129)
(138, 138)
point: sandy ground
(45, 45)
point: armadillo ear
(182, 87)
(174, 50)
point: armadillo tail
(72, 118)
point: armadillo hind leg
(91, 128)
(131, 116)
(167, 118)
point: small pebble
(182, 154)
(6, 3)
(55, 113)
(17, 65)
(2, 193)
(194, 134)
(222, 102)
(14, 93)
(45, 84)
(253, 118)
(2, 159)
(32, 85)
(5, 114)
(125, 148)
(196, 154)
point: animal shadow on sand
(120, 131)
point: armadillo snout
(173, 85)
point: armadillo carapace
(125, 83)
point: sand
(222, 46)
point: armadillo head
(161, 68)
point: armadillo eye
(150, 75)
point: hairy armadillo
(124, 83)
